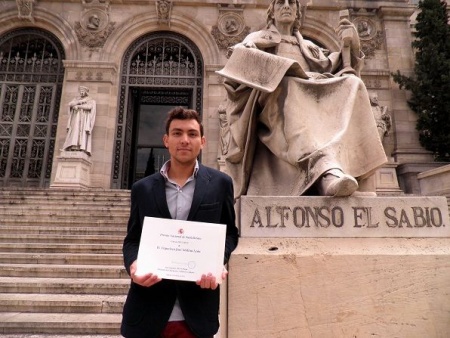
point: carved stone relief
(369, 33)
(230, 28)
(25, 9)
(94, 27)
(164, 11)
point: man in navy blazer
(184, 189)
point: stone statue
(299, 119)
(82, 111)
(382, 118)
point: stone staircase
(61, 267)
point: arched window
(31, 77)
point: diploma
(181, 250)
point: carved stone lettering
(363, 217)
(344, 217)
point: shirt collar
(166, 166)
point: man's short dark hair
(180, 113)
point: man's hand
(144, 280)
(209, 281)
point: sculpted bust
(298, 121)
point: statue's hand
(315, 52)
(349, 35)
(249, 44)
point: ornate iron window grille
(31, 76)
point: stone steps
(68, 230)
(63, 271)
(74, 239)
(60, 323)
(32, 335)
(62, 303)
(17, 200)
(63, 248)
(63, 214)
(93, 221)
(80, 286)
(61, 264)
(61, 258)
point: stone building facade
(139, 58)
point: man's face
(285, 11)
(83, 92)
(184, 141)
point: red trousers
(178, 329)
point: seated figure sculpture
(297, 121)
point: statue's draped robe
(281, 141)
(81, 121)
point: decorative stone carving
(94, 27)
(25, 8)
(164, 11)
(371, 38)
(383, 119)
(230, 28)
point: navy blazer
(147, 309)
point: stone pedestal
(340, 267)
(386, 180)
(339, 287)
(73, 170)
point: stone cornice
(396, 13)
(90, 71)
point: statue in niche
(300, 121)
(82, 111)
(382, 118)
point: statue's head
(271, 12)
(373, 99)
(83, 90)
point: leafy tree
(430, 84)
